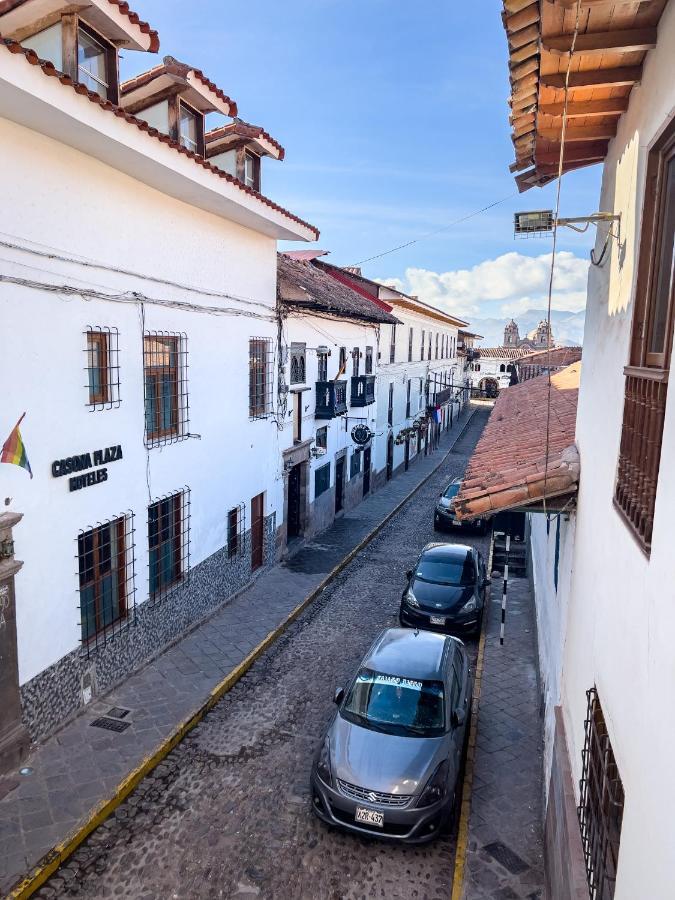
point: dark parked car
(446, 590)
(389, 763)
(444, 513)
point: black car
(446, 591)
(444, 513)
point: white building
(601, 568)
(330, 338)
(419, 369)
(494, 368)
(139, 290)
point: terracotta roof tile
(8, 5)
(172, 66)
(508, 467)
(49, 69)
(304, 285)
(560, 356)
(503, 352)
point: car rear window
(456, 572)
(395, 704)
(451, 491)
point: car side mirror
(339, 696)
(408, 574)
(458, 717)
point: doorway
(366, 471)
(406, 457)
(293, 523)
(257, 528)
(390, 456)
(339, 483)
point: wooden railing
(640, 450)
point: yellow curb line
(463, 830)
(57, 856)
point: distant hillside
(568, 327)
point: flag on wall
(14, 450)
(437, 415)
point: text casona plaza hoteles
(82, 461)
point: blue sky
(394, 119)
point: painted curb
(58, 855)
(467, 786)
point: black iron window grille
(390, 405)
(436, 345)
(165, 385)
(601, 804)
(321, 439)
(298, 364)
(356, 357)
(410, 343)
(429, 353)
(369, 361)
(407, 400)
(107, 580)
(392, 345)
(260, 385)
(321, 480)
(355, 464)
(322, 361)
(168, 543)
(103, 367)
(236, 529)
(422, 345)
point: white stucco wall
(622, 605)
(57, 198)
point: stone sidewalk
(80, 768)
(504, 857)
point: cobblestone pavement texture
(505, 848)
(227, 814)
(80, 767)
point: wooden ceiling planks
(613, 39)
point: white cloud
(509, 284)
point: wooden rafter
(523, 19)
(626, 40)
(573, 153)
(597, 4)
(576, 133)
(625, 75)
(585, 108)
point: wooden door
(339, 483)
(257, 528)
(366, 471)
(293, 524)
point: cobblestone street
(227, 813)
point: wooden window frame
(179, 103)
(179, 536)
(260, 379)
(173, 429)
(71, 24)
(100, 338)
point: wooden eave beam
(529, 82)
(597, 4)
(522, 19)
(526, 68)
(574, 134)
(524, 36)
(514, 6)
(573, 153)
(519, 165)
(525, 52)
(626, 40)
(584, 108)
(625, 75)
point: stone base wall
(564, 866)
(55, 695)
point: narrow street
(227, 813)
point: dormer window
(252, 170)
(190, 128)
(238, 148)
(92, 63)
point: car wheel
(479, 626)
(451, 815)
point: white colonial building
(138, 301)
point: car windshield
(451, 491)
(455, 572)
(395, 705)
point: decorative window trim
(105, 631)
(601, 801)
(108, 397)
(260, 378)
(178, 524)
(236, 531)
(298, 366)
(368, 366)
(155, 371)
(322, 365)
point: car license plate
(369, 817)
(437, 620)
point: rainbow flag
(14, 451)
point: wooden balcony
(363, 390)
(331, 399)
(640, 450)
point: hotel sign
(96, 460)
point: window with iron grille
(103, 367)
(236, 529)
(410, 343)
(392, 345)
(407, 400)
(168, 543)
(390, 407)
(298, 363)
(322, 362)
(165, 382)
(321, 480)
(369, 361)
(646, 384)
(355, 464)
(321, 439)
(356, 354)
(601, 804)
(437, 345)
(430, 337)
(260, 377)
(106, 580)
(422, 344)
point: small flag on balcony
(437, 415)
(14, 451)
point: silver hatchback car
(389, 763)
